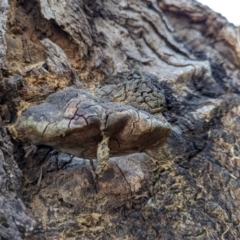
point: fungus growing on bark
(76, 122)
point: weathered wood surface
(148, 64)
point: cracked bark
(79, 77)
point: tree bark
(119, 120)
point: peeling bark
(4, 6)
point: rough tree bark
(119, 120)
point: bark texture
(119, 120)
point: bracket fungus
(79, 123)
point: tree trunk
(119, 120)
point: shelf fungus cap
(75, 121)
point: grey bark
(89, 93)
